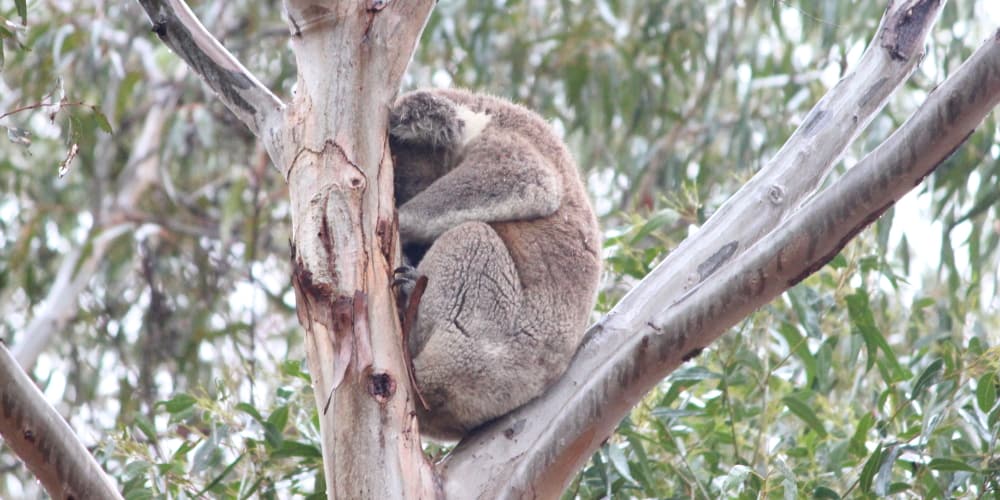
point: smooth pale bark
(330, 143)
(535, 451)
(334, 152)
(805, 159)
(44, 441)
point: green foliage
(747, 426)
(877, 376)
(226, 449)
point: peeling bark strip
(363, 355)
(341, 323)
(385, 233)
(44, 441)
(330, 146)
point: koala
(492, 211)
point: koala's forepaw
(424, 118)
(404, 280)
(409, 285)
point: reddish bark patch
(385, 232)
(304, 281)
(342, 316)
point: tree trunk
(331, 145)
(334, 153)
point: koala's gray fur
(490, 193)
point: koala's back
(557, 256)
(547, 245)
(508, 297)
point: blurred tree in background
(144, 238)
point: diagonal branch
(79, 266)
(806, 158)
(634, 347)
(44, 441)
(239, 90)
(60, 305)
(647, 347)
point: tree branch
(61, 302)
(78, 267)
(239, 90)
(806, 158)
(537, 449)
(44, 441)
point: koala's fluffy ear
(424, 119)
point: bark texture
(691, 298)
(334, 152)
(44, 441)
(331, 146)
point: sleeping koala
(493, 213)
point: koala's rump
(558, 266)
(529, 341)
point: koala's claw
(424, 118)
(404, 280)
(404, 275)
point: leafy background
(180, 361)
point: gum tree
(328, 141)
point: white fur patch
(474, 122)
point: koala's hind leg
(466, 354)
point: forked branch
(537, 449)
